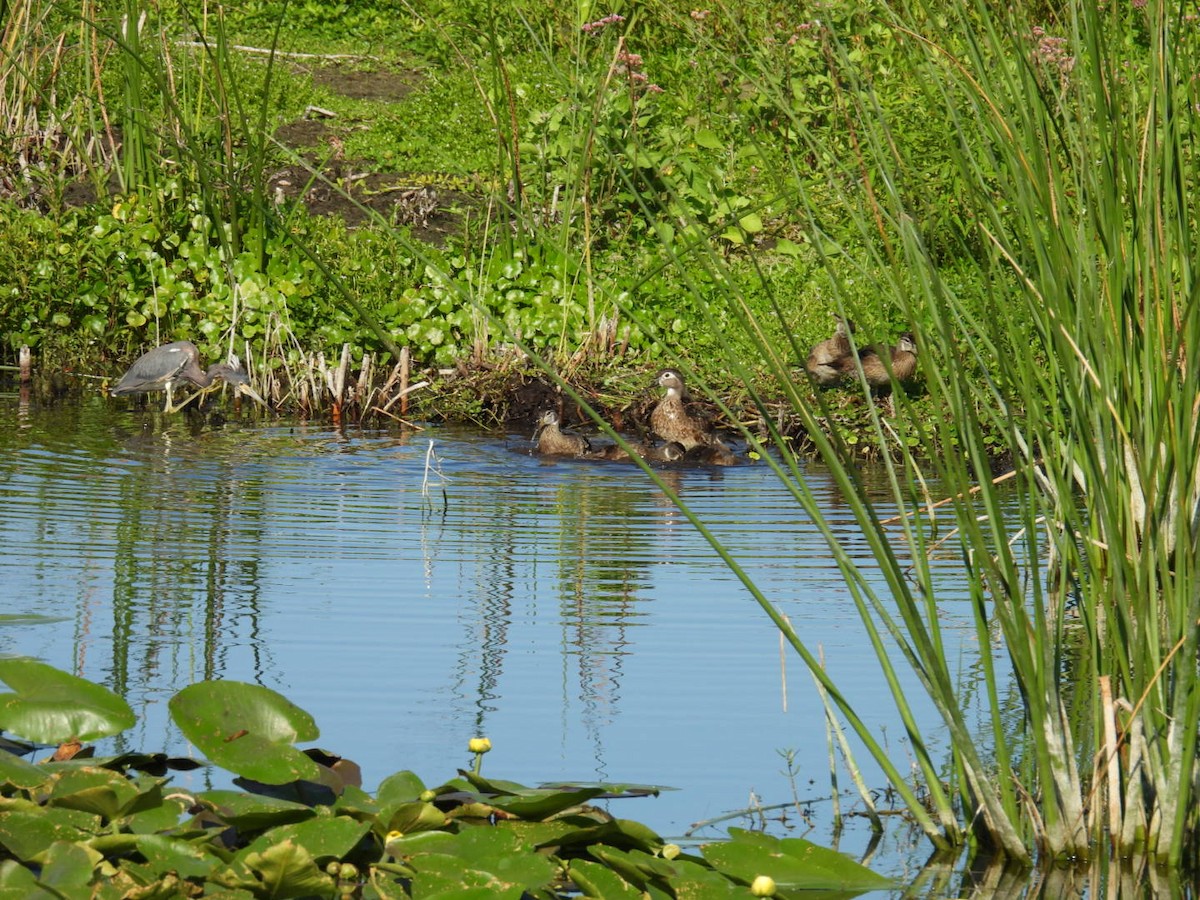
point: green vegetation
(75, 825)
(1015, 186)
(574, 166)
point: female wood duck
(903, 359)
(671, 420)
(824, 359)
(552, 441)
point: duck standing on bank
(824, 363)
(553, 441)
(900, 368)
(671, 421)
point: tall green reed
(50, 126)
(1078, 162)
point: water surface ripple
(412, 590)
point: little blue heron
(171, 365)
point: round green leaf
(51, 706)
(247, 729)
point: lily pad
(18, 773)
(792, 862)
(249, 813)
(248, 729)
(53, 707)
(323, 838)
(27, 834)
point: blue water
(413, 589)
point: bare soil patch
(375, 84)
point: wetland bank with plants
(535, 201)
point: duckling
(671, 420)
(716, 454)
(669, 452)
(552, 441)
(825, 357)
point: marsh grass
(1071, 148)
(1078, 160)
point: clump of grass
(1078, 166)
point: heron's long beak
(243, 388)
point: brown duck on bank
(825, 359)
(553, 441)
(671, 421)
(903, 359)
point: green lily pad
(27, 834)
(251, 813)
(93, 790)
(596, 880)
(322, 838)
(281, 871)
(18, 881)
(409, 817)
(68, 868)
(52, 707)
(407, 846)
(187, 859)
(537, 805)
(636, 867)
(248, 729)
(792, 862)
(453, 876)
(402, 787)
(18, 773)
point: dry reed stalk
(405, 363)
(343, 370)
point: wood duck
(715, 454)
(552, 441)
(825, 358)
(669, 452)
(671, 421)
(903, 359)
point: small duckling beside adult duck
(715, 454)
(553, 441)
(670, 419)
(825, 359)
(670, 452)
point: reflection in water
(566, 609)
